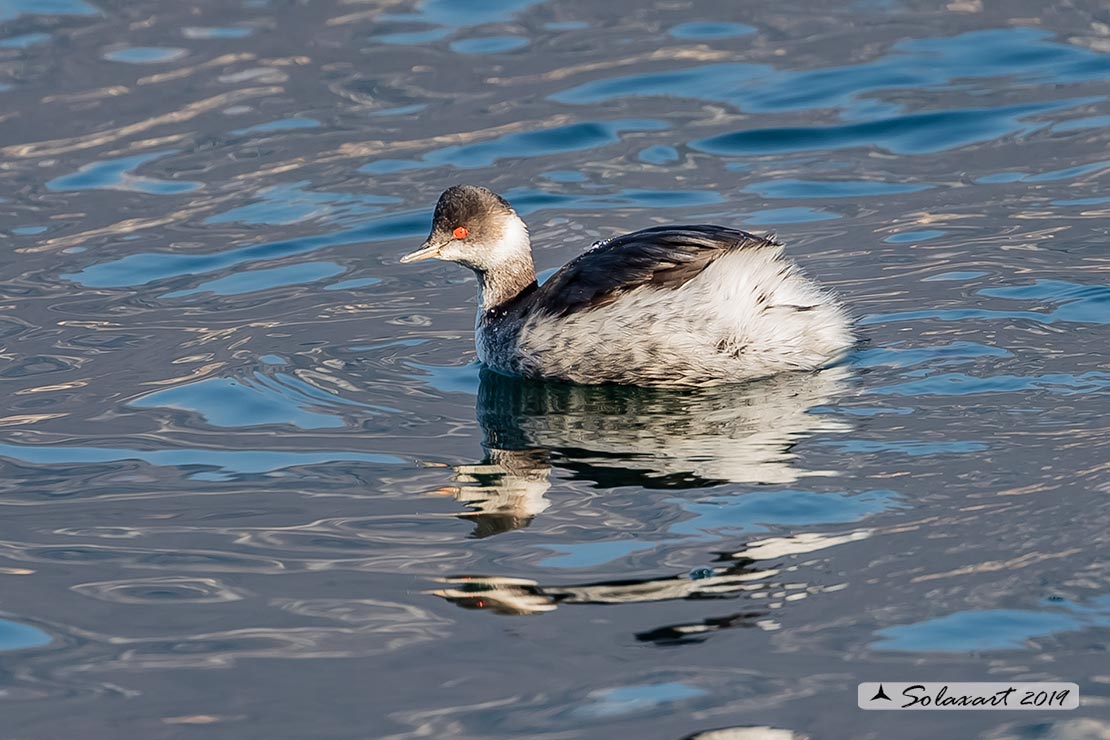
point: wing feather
(664, 257)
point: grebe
(669, 306)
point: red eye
(460, 232)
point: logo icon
(880, 694)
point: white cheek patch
(513, 243)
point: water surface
(256, 485)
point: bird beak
(426, 252)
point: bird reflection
(740, 574)
(522, 596)
(618, 436)
(625, 436)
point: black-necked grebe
(670, 306)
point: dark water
(254, 484)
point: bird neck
(510, 272)
(500, 285)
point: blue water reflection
(545, 142)
(23, 41)
(226, 462)
(919, 133)
(489, 44)
(1026, 53)
(294, 202)
(216, 32)
(14, 8)
(756, 512)
(139, 269)
(255, 280)
(227, 402)
(635, 699)
(829, 188)
(16, 636)
(992, 629)
(1069, 302)
(710, 30)
(116, 174)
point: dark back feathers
(664, 257)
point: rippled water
(252, 471)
